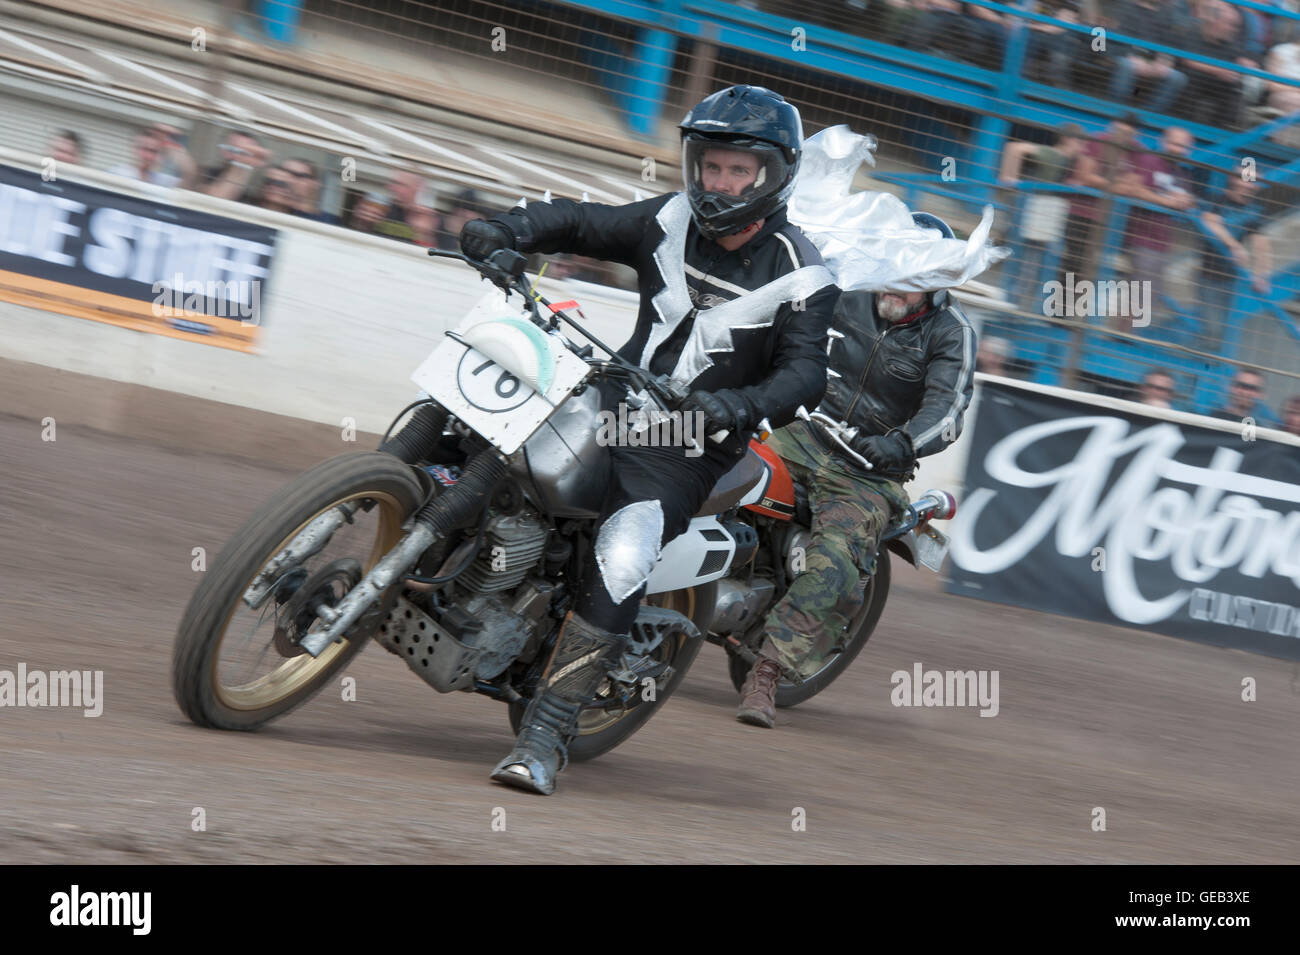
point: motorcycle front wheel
(237, 668)
(861, 627)
(601, 728)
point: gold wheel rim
(597, 721)
(296, 672)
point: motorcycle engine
(513, 545)
(495, 620)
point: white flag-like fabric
(868, 239)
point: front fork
(340, 619)
(310, 542)
(457, 506)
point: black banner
(1089, 512)
(138, 263)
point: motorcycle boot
(758, 695)
(584, 655)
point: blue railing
(997, 102)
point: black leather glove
(724, 410)
(480, 238)
(887, 452)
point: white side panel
(681, 559)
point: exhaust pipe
(936, 505)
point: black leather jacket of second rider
(916, 377)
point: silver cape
(868, 239)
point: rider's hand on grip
(480, 238)
(722, 411)
(886, 452)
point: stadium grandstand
(1149, 147)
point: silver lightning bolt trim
(713, 326)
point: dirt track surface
(95, 561)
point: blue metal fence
(994, 105)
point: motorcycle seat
(733, 485)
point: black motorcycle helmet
(745, 119)
(928, 220)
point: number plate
(931, 548)
(494, 401)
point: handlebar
(504, 268)
(834, 429)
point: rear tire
(600, 736)
(862, 626)
(197, 652)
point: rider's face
(728, 171)
(894, 306)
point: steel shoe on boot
(758, 695)
(583, 656)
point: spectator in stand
(1291, 415)
(368, 211)
(988, 29)
(305, 188)
(66, 147)
(1215, 92)
(1043, 216)
(467, 205)
(899, 21)
(993, 355)
(1054, 48)
(410, 216)
(1236, 217)
(965, 30)
(160, 159)
(1284, 29)
(1160, 179)
(242, 154)
(1283, 99)
(1103, 162)
(276, 193)
(1156, 22)
(1245, 399)
(1255, 33)
(1157, 389)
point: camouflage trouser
(850, 510)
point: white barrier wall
(348, 318)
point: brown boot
(758, 695)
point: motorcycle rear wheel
(862, 626)
(206, 639)
(599, 731)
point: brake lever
(504, 268)
(833, 429)
(676, 393)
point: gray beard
(891, 309)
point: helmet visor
(724, 178)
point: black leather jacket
(771, 346)
(915, 377)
